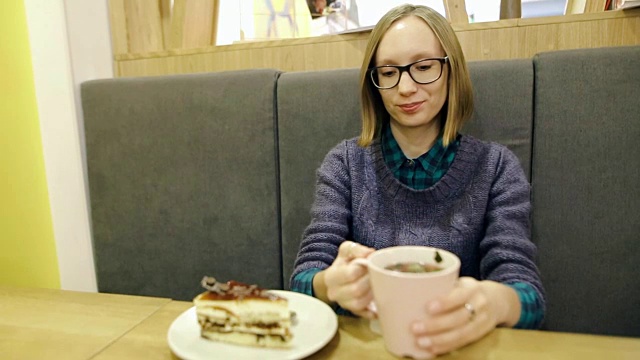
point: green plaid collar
(424, 171)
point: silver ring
(471, 310)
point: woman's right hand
(347, 284)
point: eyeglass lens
(423, 72)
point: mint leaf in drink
(438, 257)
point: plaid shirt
(422, 172)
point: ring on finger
(471, 310)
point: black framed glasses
(424, 71)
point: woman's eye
(423, 67)
(388, 73)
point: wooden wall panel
(118, 22)
(584, 6)
(510, 9)
(456, 11)
(505, 39)
(144, 26)
(574, 7)
(199, 23)
(165, 18)
(592, 6)
(176, 27)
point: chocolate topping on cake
(210, 283)
(234, 290)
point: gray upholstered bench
(215, 173)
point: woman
(412, 179)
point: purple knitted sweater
(479, 210)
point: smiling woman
(413, 106)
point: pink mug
(400, 298)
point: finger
(340, 274)
(458, 317)
(359, 305)
(353, 272)
(359, 288)
(345, 250)
(465, 288)
(350, 250)
(451, 340)
(351, 295)
(335, 279)
(367, 314)
(440, 323)
(361, 251)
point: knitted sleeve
(506, 250)
(330, 214)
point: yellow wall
(27, 245)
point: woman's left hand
(468, 313)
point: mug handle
(364, 262)
(374, 324)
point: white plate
(315, 326)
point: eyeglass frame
(407, 68)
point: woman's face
(412, 105)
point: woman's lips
(411, 107)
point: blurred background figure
(317, 7)
(275, 19)
(286, 12)
(333, 16)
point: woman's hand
(345, 283)
(468, 313)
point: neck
(415, 141)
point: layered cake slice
(243, 314)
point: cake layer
(274, 341)
(273, 310)
(241, 325)
(220, 312)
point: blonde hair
(459, 105)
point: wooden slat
(144, 25)
(177, 24)
(118, 22)
(574, 7)
(510, 9)
(198, 23)
(214, 22)
(456, 11)
(594, 6)
(165, 18)
(194, 24)
(585, 6)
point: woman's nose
(406, 84)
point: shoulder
(344, 153)
(491, 147)
(346, 150)
(492, 161)
(489, 151)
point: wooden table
(48, 324)
(55, 324)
